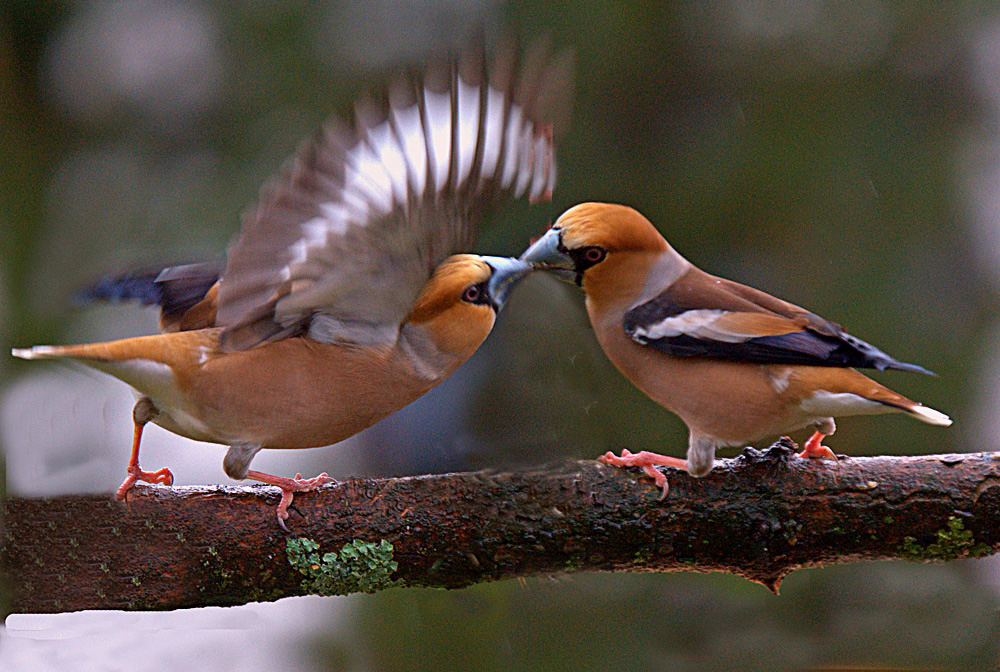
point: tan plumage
(340, 301)
(735, 364)
(231, 398)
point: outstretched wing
(704, 316)
(342, 241)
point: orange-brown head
(612, 251)
(460, 302)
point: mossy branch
(760, 515)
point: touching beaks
(548, 254)
(507, 272)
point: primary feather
(353, 227)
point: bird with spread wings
(343, 298)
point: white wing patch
(493, 132)
(370, 176)
(693, 323)
(468, 129)
(510, 147)
(411, 135)
(438, 122)
(401, 157)
(389, 155)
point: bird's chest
(732, 402)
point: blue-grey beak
(507, 272)
(547, 254)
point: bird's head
(602, 245)
(460, 302)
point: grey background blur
(844, 156)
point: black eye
(594, 255)
(472, 294)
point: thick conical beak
(548, 254)
(507, 271)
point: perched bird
(340, 302)
(735, 364)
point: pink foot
(648, 462)
(815, 449)
(136, 474)
(289, 486)
(143, 412)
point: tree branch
(760, 515)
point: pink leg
(648, 462)
(815, 449)
(289, 486)
(135, 473)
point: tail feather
(929, 415)
(175, 289)
(37, 352)
(838, 392)
(912, 408)
(141, 287)
(96, 351)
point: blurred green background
(842, 155)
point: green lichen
(218, 578)
(952, 543)
(642, 556)
(360, 566)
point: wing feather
(341, 242)
(703, 316)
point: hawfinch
(735, 364)
(340, 301)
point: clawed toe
(814, 449)
(648, 462)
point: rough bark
(760, 515)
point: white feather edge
(930, 415)
(832, 404)
(400, 155)
(695, 323)
(37, 352)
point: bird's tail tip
(930, 416)
(36, 352)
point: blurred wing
(342, 241)
(703, 316)
(185, 294)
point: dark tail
(174, 289)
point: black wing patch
(805, 348)
(175, 289)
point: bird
(734, 363)
(346, 294)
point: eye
(472, 294)
(594, 255)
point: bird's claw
(814, 449)
(289, 486)
(648, 462)
(135, 474)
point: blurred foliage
(904, 615)
(810, 149)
